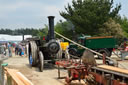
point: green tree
(89, 15)
(65, 28)
(124, 24)
(43, 32)
(21, 31)
(111, 28)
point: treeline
(93, 17)
(26, 31)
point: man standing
(9, 49)
(16, 49)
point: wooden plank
(100, 37)
(17, 77)
(23, 79)
(14, 77)
(116, 69)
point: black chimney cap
(51, 16)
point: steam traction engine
(44, 49)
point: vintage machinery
(45, 49)
(93, 75)
(100, 44)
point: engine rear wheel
(32, 53)
(59, 54)
(41, 61)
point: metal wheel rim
(33, 52)
(41, 61)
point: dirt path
(47, 77)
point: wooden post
(0, 72)
(58, 71)
(9, 80)
(104, 58)
(3, 77)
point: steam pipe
(23, 37)
(51, 27)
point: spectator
(16, 49)
(4, 45)
(20, 49)
(9, 49)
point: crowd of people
(19, 50)
(13, 48)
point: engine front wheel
(41, 61)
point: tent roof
(4, 37)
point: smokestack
(51, 27)
(22, 37)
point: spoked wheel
(59, 54)
(105, 51)
(41, 61)
(32, 53)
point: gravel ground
(49, 75)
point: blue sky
(33, 13)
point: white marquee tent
(12, 38)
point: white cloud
(24, 4)
(34, 13)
